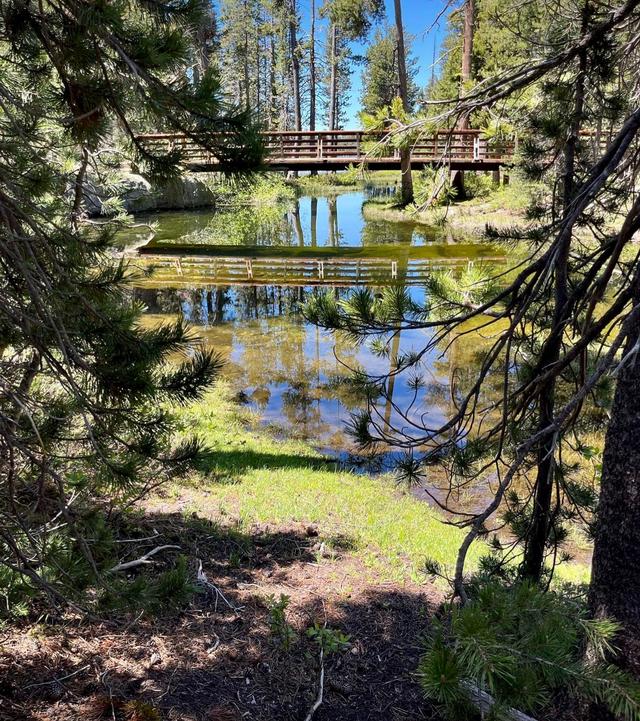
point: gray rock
(139, 196)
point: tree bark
(406, 185)
(333, 80)
(457, 179)
(312, 71)
(467, 40)
(312, 67)
(203, 33)
(273, 95)
(259, 105)
(247, 98)
(615, 576)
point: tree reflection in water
(288, 370)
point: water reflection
(291, 373)
(294, 375)
(334, 221)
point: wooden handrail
(339, 148)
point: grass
(501, 207)
(352, 177)
(255, 477)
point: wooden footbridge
(337, 149)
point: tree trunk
(615, 577)
(535, 546)
(259, 104)
(457, 179)
(247, 98)
(273, 95)
(312, 68)
(295, 66)
(406, 187)
(312, 72)
(203, 33)
(467, 41)
(333, 81)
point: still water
(333, 221)
(290, 372)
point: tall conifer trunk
(615, 575)
(312, 67)
(467, 41)
(333, 80)
(273, 95)
(312, 71)
(406, 185)
(295, 65)
(466, 72)
(534, 552)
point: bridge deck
(337, 149)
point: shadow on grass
(240, 460)
(213, 661)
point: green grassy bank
(254, 477)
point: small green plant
(280, 628)
(330, 640)
(522, 645)
(434, 188)
(478, 185)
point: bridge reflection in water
(177, 269)
(285, 265)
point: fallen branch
(57, 680)
(320, 696)
(484, 702)
(140, 561)
(212, 588)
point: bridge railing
(348, 146)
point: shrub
(478, 185)
(522, 646)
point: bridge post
(476, 147)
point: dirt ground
(218, 659)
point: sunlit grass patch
(279, 481)
(254, 477)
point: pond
(293, 375)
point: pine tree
(570, 313)
(84, 421)
(380, 81)
(349, 20)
